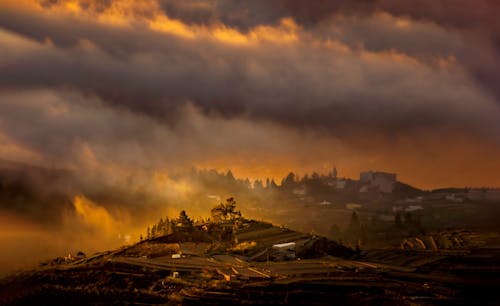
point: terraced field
(211, 275)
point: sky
(262, 88)
(124, 92)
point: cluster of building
(383, 181)
(472, 194)
(369, 181)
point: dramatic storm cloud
(103, 102)
(120, 90)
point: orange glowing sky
(260, 88)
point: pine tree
(247, 183)
(166, 228)
(273, 184)
(257, 184)
(172, 226)
(230, 176)
(153, 231)
(225, 212)
(288, 181)
(159, 228)
(184, 221)
(334, 173)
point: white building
(383, 180)
(340, 184)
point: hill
(231, 260)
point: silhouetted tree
(153, 231)
(184, 221)
(288, 181)
(273, 184)
(247, 183)
(334, 173)
(160, 226)
(230, 176)
(224, 212)
(257, 184)
(166, 227)
(171, 226)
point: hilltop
(228, 259)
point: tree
(184, 221)
(171, 226)
(153, 231)
(334, 173)
(148, 233)
(288, 181)
(230, 176)
(257, 184)
(160, 227)
(225, 212)
(166, 227)
(273, 184)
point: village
(373, 211)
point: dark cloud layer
(376, 69)
(477, 21)
(463, 14)
(156, 75)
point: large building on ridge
(384, 181)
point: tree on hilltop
(184, 221)
(225, 211)
(288, 181)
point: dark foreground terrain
(178, 270)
